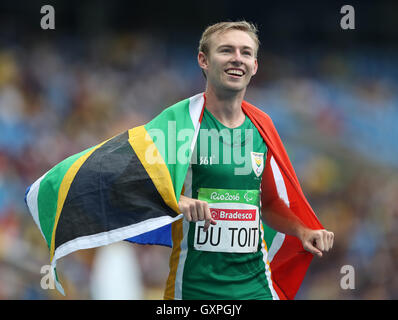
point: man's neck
(226, 108)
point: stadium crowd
(335, 111)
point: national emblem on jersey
(257, 163)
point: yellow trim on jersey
(177, 235)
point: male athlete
(218, 250)
(232, 174)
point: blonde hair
(221, 27)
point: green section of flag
(48, 194)
(269, 235)
(172, 132)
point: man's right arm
(196, 210)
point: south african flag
(128, 187)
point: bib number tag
(237, 228)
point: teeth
(235, 72)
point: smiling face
(231, 61)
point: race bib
(237, 216)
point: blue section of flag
(26, 194)
(160, 236)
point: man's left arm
(280, 217)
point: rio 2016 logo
(224, 196)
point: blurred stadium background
(109, 66)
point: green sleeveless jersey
(229, 261)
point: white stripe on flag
(31, 200)
(276, 245)
(282, 192)
(266, 263)
(280, 184)
(105, 238)
(195, 110)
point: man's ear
(202, 60)
(255, 67)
